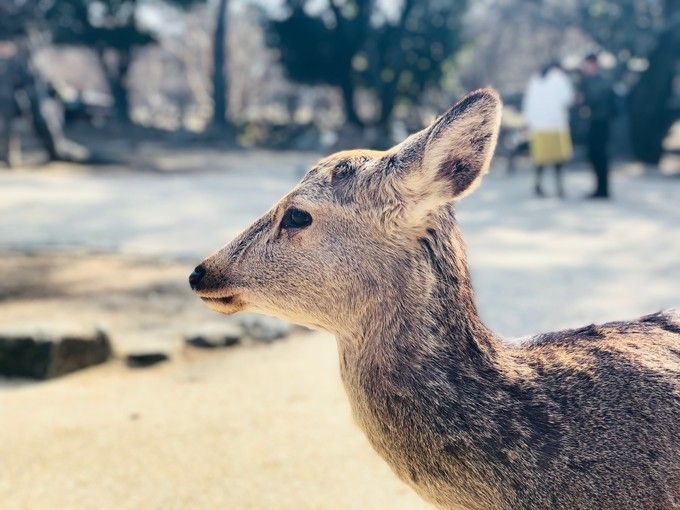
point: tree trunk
(120, 99)
(649, 103)
(390, 51)
(116, 78)
(388, 99)
(45, 128)
(351, 115)
(219, 77)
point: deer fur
(587, 418)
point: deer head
(346, 238)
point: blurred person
(597, 96)
(546, 109)
(8, 82)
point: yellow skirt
(550, 147)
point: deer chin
(226, 305)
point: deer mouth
(219, 300)
(223, 304)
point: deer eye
(296, 218)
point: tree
(14, 18)
(650, 109)
(393, 53)
(19, 22)
(110, 28)
(219, 75)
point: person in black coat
(597, 95)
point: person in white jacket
(547, 99)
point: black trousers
(598, 138)
(5, 133)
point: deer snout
(210, 279)
(196, 276)
(207, 281)
(216, 288)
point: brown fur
(579, 419)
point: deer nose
(196, 276)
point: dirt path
(252, 428)
(187, 212)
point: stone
(214, 335)
(145, 359)
(51, 350)
(264, 329)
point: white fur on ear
(448, 159)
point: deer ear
(449, 158)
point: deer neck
(422, 378)
(427, 313)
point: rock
(145, 359)
(207, 343)
(264, 329)
(213, 335)
(51, 350)
(226, 333)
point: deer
(368, 248)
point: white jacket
(546, 102)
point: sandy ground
(263, 427)
(252, 428)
